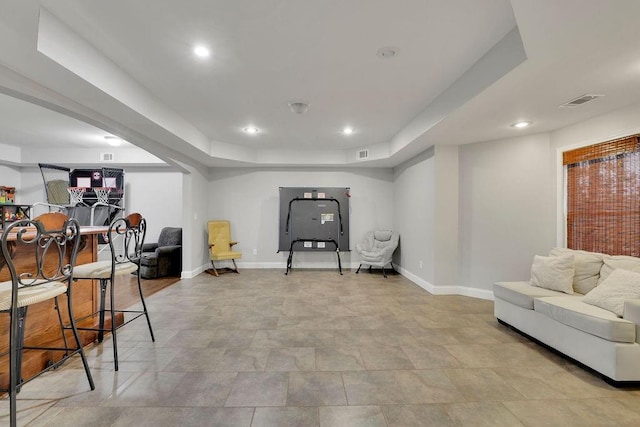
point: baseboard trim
(432, 289)
(190, 274)
(446, 290)
(300, 265)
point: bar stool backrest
(126, 238)
(52, 238)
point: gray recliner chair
(377, 249)
(163, 258)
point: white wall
(511, 197)
(619, 123)
(509, 204)
(249, 199)
(486, 209)
(507, 209)
(30, 188)
(446, 233)
(196, 191)
(414, 217)
(157, 195)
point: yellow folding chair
(220, 245)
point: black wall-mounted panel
(314, 218)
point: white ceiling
(28, 125)
(127, 68)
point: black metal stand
(103, 309)
(293, 242)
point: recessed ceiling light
(348, 130)
(201, 51)
(521, 125)
(112, 140)
(251, 130)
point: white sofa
(589, 334)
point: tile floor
(318, 349)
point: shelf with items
(7, 195)
(11, 213)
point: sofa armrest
(632, 313)
(149, 247)
(632, 310)
(363, 247)
(168, 250)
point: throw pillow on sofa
(554, 273)
(618, 287)
(612, 262)
(587, 265)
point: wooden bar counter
(42, 326)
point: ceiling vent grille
(580, 100)
(363, 154)
(106, 157)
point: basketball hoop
(75, 195)
(102, 193)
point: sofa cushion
(554, 273)
(590, 319)
(618, 287)
(522, 294)
(102, 270)
(587, 268)
(612, 262)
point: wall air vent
(363, 154)
(106, 157)
(580, 100)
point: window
(603, 197)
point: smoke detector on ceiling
(298, 107)
(580, 100)
(387, 52)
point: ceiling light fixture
(348, 130)
(201, 51)
(251, 130)
(521, 125)
(298, 107)
(114, 141)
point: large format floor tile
(318, 349)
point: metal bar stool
(125, 238)
(53, 239)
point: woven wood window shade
(603, 197)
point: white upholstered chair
(376, 250)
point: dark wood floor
(127, 289)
